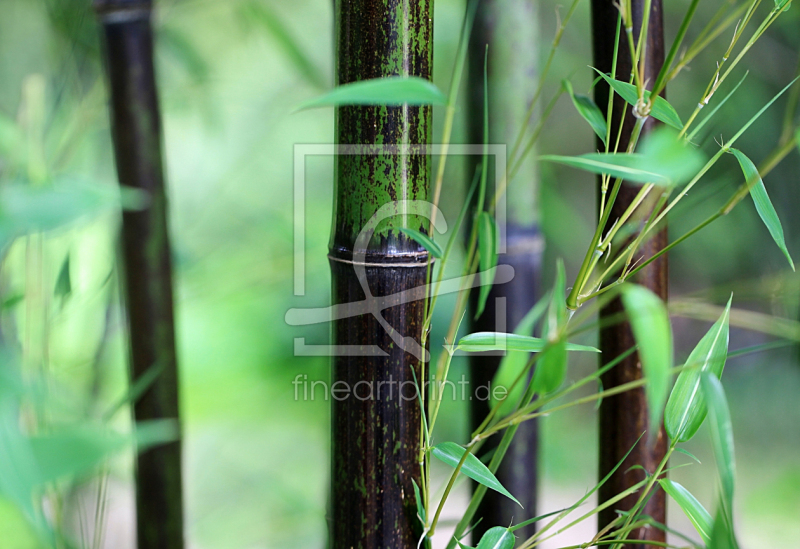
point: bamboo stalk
(510, 28)
(376, 436)
(147, 271)
(624, 417)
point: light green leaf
(551, 369)
(497, 538)
(391, 90)
(701, 519)
(423, 240)
(479, 342)
(650, 324)
(763, 204)
(722, 534)
(450, 453)
(721, 433)
(628, 166)
(661, 109)
(487, 246)
(783, 5)
(514, 362)
(63, 287)
(588, 110)
(686, 408)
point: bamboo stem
(147, 270)
(624, 417)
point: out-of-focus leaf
(418, 499)
(722, 534)
(628, 166)
(487, 248)
(178, 46)
(498, 341)
(721, 433)
(661, 109)
(497, 538)
(686, 408)
(424, 240)
(514, 362)
(763, 204)
(63, 286)
(391, 90)
(650, 324)
(589, 110)
(451, 453)
(551, 369)
(701, 519)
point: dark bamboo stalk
(510, 28)
(376, 435)
(623, 418)
(147, 272)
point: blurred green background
(230, 76)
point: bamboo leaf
(721, 433)
(686, 408)
(551, 369)
(391, 90)
(514, 362)
(451, 453)
(722, 534)
(624, 165)
(589, 110)
(498, 341)
(763, 204)
(497, 538)
(661, 109)
(418, 499)
(650, 324)
(487, 247)
(423, 240)
(701, 519)
(63, 287)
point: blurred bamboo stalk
(510, 29)
(624, 417)
(376, 440)
(147, 270)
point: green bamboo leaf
(424, 240)
(722, 534)
(701, 519)
(479, 342)
(650, 324)
(63, 287)
(627, 166)
(497, 538)
(450, 453)
(721, 433)
(550, 371)
(487, 247)
(686, 408)
(783, 5)
(763, 204)
(661, 109)
(418, 499)
(512, 364)
(589, 110)
(391, 90)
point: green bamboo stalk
(147, 270)
(376, 440)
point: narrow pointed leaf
(721, 433)
(424, 240)
(661, 109)
(487, 246)
(418, 499)
(551, 369)
(686, 408)
(722, 534)
(589, 110)
(497, 538)
(499, 341)
(763, 204)
(701, 519)
(450, 453)
(628, 166)
(651, 327)
(392, 90)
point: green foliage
(763, 204)
(551, 369)
(451, 454)
(686, 408)
(487, 250)
(425, 241)
(498, 341)
(391, 90)
(721, 434)
(589, 110)
(701, 519)
(661, 109)
(497, 538)
(651, 327)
